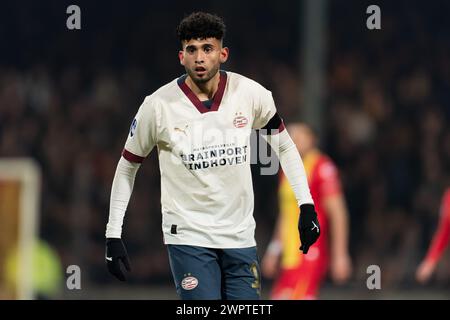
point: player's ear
(224, 52)
(181, 57)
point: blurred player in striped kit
(300, 276)
(439, 243)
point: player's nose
(200, 57)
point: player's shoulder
(162, 95)
(239, 81)
(165, 93)
(325, 159)
(326, 166)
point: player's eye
(190, 50)
(207, 49)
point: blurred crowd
(388, 114)
(386, 125)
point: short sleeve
(142, 136)
(264, 108)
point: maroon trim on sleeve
(281, 127)
(132, 157)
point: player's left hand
(308, 226)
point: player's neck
(204, 91)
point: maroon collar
(196, 102)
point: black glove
(116, 252)
(308, 226)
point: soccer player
(439, 242)
(201, 124)
(300, 276)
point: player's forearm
(275, 245)
(292, 165)
(278, 228)
(121, 190)
(276, 237)
(338, 217)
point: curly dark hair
(201, 25)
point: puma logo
(181, 130)
(315, 226)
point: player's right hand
(308, 227)
(269, 265)
(340, 268)
(424, 271)
(115, 254)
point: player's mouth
(200, 71)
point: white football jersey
(204, 157)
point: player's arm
(336, 211)
(270, 261)
(140, 142)
(121, 190)
(338, 217)
(438, 244)
(274, 131)
(277, 136)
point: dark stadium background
(67, 99)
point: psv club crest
(240, 121)
(189, 283)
